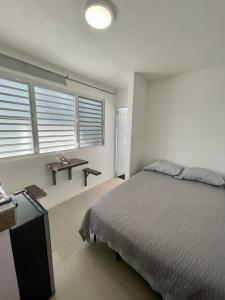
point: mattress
(170, 231)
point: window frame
(102, 123)
(32, 83)
(75, 118)
(30, 118)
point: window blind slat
(53, 94)
(90, 106)
(11, 87)
(14, 106)
(55, 122)
(15, 134)
(83, 138)
(12, 91)
(47, 111)
(55, 133)
(14, 101)
(10, 127)
(4, 121)
(88, 111)
(56, 144)
(16, 153)
(52, 149)
(54, 117)
(53, 100)
(11, 99)
(89, 124)
(14, 84)
(54, 105)
(11, 148)
(88, 144)
(55, 137)
(15, 141)
(14, 114)
(55, 128)
(47, 139)
(91, 102)
(90, 115)
(89, 128)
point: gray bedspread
(171, 231)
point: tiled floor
(84, 271)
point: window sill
(43, 155)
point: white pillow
(202, 175)
(165, 167)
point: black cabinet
(31, 246)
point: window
(56, 120)
(16, 136)
(39, 120)
(90, 122)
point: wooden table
(58, 166)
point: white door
(121, 140)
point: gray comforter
(171, 231)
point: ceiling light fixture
(98, 14)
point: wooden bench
(59, 166)
(35, 192)
(88, 171)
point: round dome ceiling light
(98, 14)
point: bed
(170, 231)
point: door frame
(116, 137)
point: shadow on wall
(151, 76)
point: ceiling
(153, 37)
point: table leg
(70, 173)
(54, 177)
(85, 177)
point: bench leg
(95, 238)
(70, 173)
(54, 177)
(85, 177)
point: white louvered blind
(91, 122)
(56, 120)
(16, 136)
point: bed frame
(118, 257)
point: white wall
(186, 119)
(137, 100)
(18, 173)
(121, 99)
